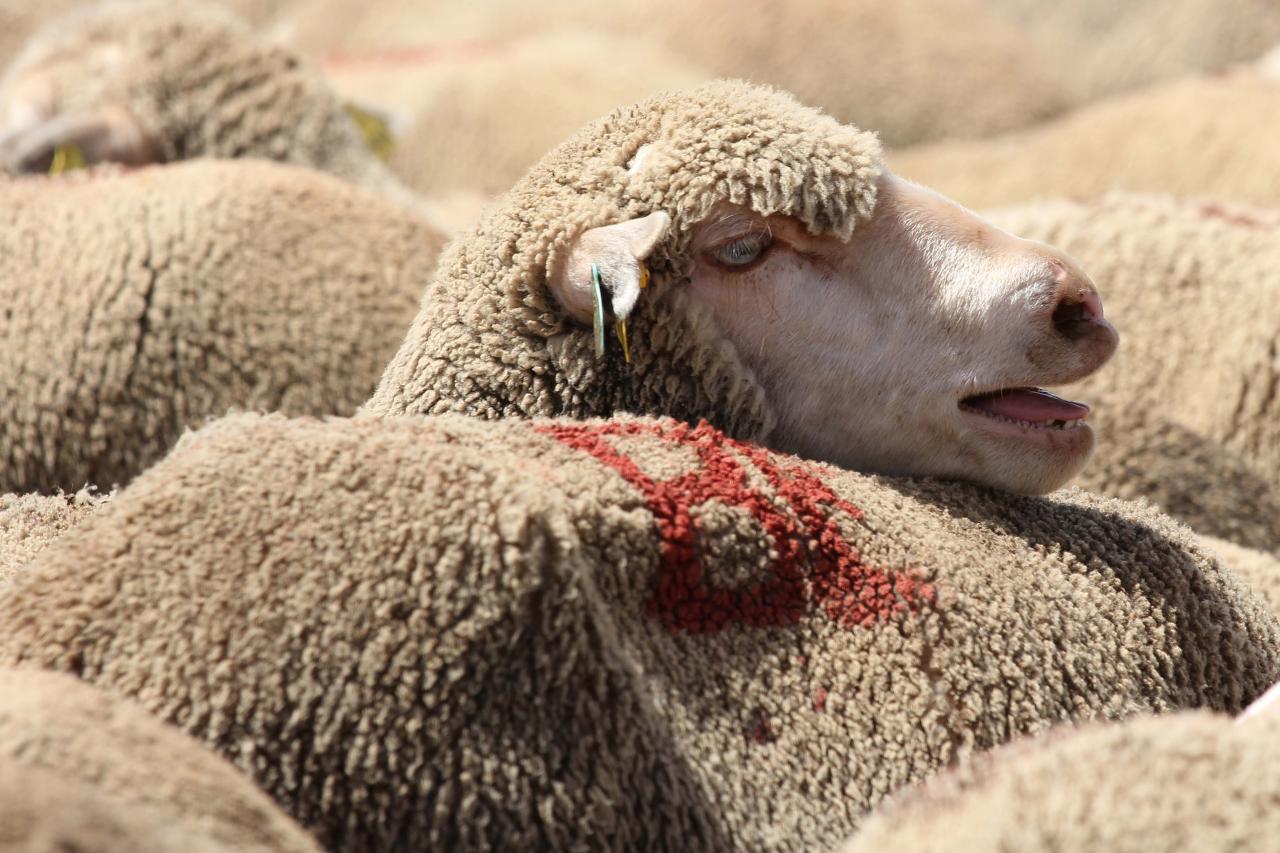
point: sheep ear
(110, 135)
(618, 252)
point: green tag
(375, 129)
(597, 292)
(67, 157)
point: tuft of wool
(29, 523)
(83, 770)
(1191, 781)
(1190, 284)
(138, 304)
(449, 633)
(1210, 137)
(203, 84)
(490, 341)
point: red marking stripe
(815, 564)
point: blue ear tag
(597, 292)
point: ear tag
(621, 328)
(597, 292)
(644, 276)
(67, 157)
(375, 130)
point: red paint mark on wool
(762, 731)
(815, 565)
(820, 700)
(1213, 210)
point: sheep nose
(1077, 307)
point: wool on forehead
(491, 341)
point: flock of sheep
(484, 425)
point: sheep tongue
(1028, 404)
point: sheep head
(802, 296)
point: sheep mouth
(1027, 409)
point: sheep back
(82, 770)
(451, 633)
(1191, 781)
(28, 523)
(138, 304)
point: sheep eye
(744, 250)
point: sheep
(82, 770)
(1121, 47)
(481, 117)
(149, 82)
(1168, 263)
(1191, 781)
(787, 296)
(138, 304)
(915, 70)
(1259, 569)
(1207, 137)
(450, 633)
(28, 523)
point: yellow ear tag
(67, 157)
(621, 328)
(375, 130)
(644, 276)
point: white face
(867, 348)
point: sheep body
(445, 632)
(1165, 263)
(1207, 137)
(132, 782)
(1186, 782)
(142, 303)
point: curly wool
(1186, 782)
(1259, 569)
(139, 304)
(204, 85)
(82, 770)
(490, 341)
(1211, 137)
(1166, 266)
(29, 523)
(447, 633)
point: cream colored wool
(1259, 569)
(29, 523)
(56, 728)
(1115, 47)
(136, 305)
(202, 84)
(914, 70)
(1212, 137)
(481, 117)
(490, 340)
(446, 633)
(1192, 286)
(1186, 782)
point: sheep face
(882, 353)
(915, 347)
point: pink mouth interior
(1026, 404)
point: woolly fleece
(1211, 137)
(205, 86)
(490, 340)
(1186, 782)
(1260, 570)
(482, 117)
(1161, 265)
(914, 70)
(446, 633)
(59, 729)
(139, 304)
(28, 523)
